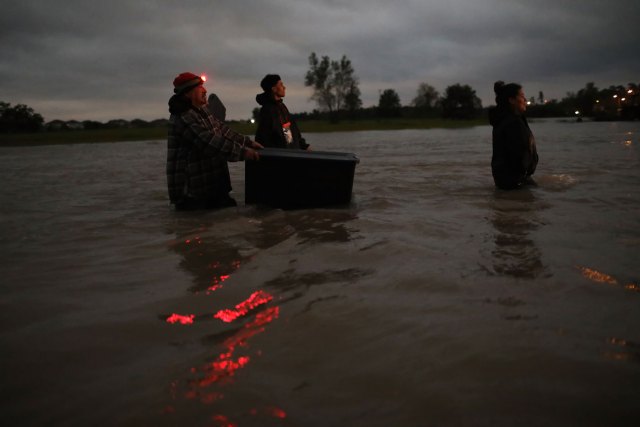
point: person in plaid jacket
(199, 147)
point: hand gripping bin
(291, 179)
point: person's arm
(216, 139)
(517, 137)
(298, 135)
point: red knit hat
(185, 82)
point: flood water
(432, 300)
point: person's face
(279, 89)
(519, 102)
(198, 96)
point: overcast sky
(102, 60)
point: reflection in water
(622, 350)
(514, 218)
(256, 299)
(182, 319)
(597, 276)
(206, 383)
(600, 277)
(317, 226)
(227, 363)
(213, 260)
(290, 280)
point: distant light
(203, 77)
(629, 91)
(623, 99)
(597, 101)
(615, 96)
(577, 112)
(528, 102)
(253, 121)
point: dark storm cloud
(102, 60)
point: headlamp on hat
(187, 81)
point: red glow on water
(277, 412)
(222, 368)
(256, 299)
(210, 398)
(228, 269)
(226, 365)
(272, 411)
(180, 318)
(196, 239)
(222, 421)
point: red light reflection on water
(180, 318)
(256, 299)
(225, 365)
(597, 276)
(196, 239)
(233, 357)
(222, 421)
(217, 280)
(272, 411)
(216, 283)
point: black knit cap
(269, 81)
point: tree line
(335, 90)
(336, 93)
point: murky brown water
(432, 300)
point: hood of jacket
(178, 104)
(264, 98)
(499, 115)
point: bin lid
(274, 153)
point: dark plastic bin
(291, 179)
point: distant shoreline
(245, 128)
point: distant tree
(139, 123)
(426, 97)
(460, 102)
(335, 86)
(389, 103)
(92, 124)
(255, 113)
(586, 99)
(352, 99)
(19, 118)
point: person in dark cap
(276, 127)
(515, 156)
(198, 148)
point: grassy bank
(146, 134)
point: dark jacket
(273, 115)
(198, 148)
(515, 156)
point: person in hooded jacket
(515, 156)
(198, 148)
(276, 127)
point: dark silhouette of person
(514, 157)
(276, 127)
